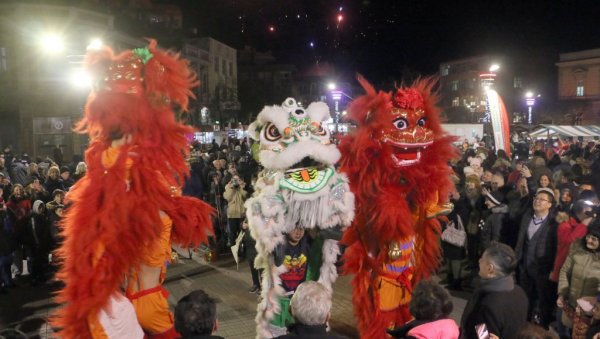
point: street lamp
(331, 86)
(52, 43)
(530, 101)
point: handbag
(453, 235)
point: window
(580, 89)
(456, 102)
(517, 82)
(230, 69)
(445, 70)
(224, 67)
(216, 64)
(3, 58)
(454, 85)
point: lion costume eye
(272, 133)
(400, 123)
(422, 122)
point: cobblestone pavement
(26, 307)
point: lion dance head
(399, 140)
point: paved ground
(26, 307)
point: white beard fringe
(328, 273)
(272, 213)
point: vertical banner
(499, 118)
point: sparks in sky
(340, 18)
(271, 28)
(311, 44)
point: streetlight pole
(336, 96)
(530, 101)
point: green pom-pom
(143, 53)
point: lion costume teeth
(298, 186)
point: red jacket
(568, 232)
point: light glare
(331, 86)
(52, 43)
(95, 44)
(80, 78)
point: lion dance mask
(298, 188)
(397, 164)
(123, 215)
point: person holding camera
(235, 194)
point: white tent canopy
(566, 130)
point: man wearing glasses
(536, 249)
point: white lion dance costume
(299, 187)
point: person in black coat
(37, 241)
(250, 253)
(497, 301)
(536, 250)
(53, 181)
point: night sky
(385, 39)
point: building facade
(579, 86)
(38, 104)
(218, 79)
(262, 81)
(42, 92)
(463, 84)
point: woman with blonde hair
(53, 180)
(80, 171)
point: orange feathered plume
(113, 213)
(388, 198)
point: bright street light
(331, 86)
(494, 67)
(52, 43)
(529, 95)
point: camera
(235, 183)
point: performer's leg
(153, 312)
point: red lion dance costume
(123, 215)
(397, 164)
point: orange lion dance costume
(397, 164)
(123, 215)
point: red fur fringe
(105, 217)
(384, 206)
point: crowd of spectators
(531, 254)
(531, 236)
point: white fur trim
(269, 304)
(326, 154)
(253, 130)
(274, 114)
(328, 272)
(318, 111)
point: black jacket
(545, 250)
(309, 332)
(503, 312)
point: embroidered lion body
(397, 164)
